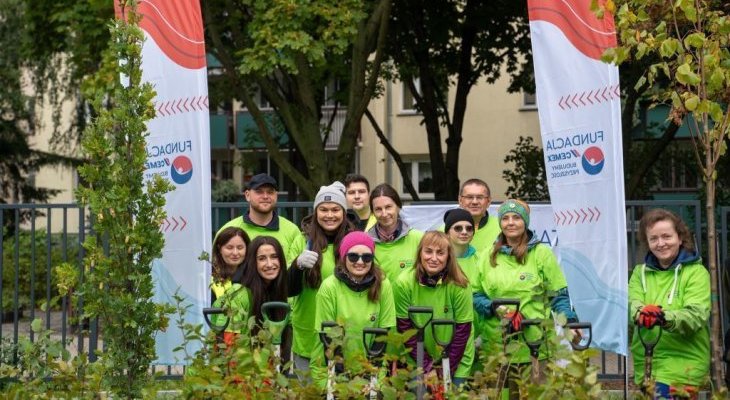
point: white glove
(307, 259)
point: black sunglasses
(467, 228)
(365, 257)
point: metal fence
(36, 238)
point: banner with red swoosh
(579, 104)
(178, 149)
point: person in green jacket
(261, 217)
(671, 289)
(395, 241)
(357, 296)
(229, 251)
(476, 197)
(438, 282)
(519, 267)
(324, 230)
(357, 191)
(262, 281)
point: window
(330, 91)
(421, 177)
(679, 175)
(529, 101)
(408, 103)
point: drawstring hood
(532, 241)
(651, 262)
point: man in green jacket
(261, 217)
(475, 197)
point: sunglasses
(459, 228)
(365, 257)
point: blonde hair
(453, 271)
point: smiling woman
(260, 284)
(358, 296)
(671, 290)
(323, 231)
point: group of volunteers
(356, 262)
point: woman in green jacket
(323, 231)
(357, 296)
(671, 289)
(229, 251)
(522, 268)
(438, 282)
(262, 281)
(395, 241)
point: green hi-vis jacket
(532, 283)
(304, 308)
(449, 301)
(398, 255)
(289, 236)
(682, 355)
(486, 233)
(353, 311)
(236, 302)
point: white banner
(578, 100)
(178, 149)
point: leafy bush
(30, 273)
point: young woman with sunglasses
(357, 296)
(459, 227)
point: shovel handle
(324, 336)
(415, 310)
(581, 326)
(435, 323)
(373, 348)
(269, 306)
(207, 312)
(649, 345)
(533, 345)
(498, 302)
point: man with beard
(261, 217)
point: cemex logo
(593, 160)
(181, 170)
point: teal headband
(512, 206)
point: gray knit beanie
(334, 193)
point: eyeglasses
(459, 228)
(473, 197)
(365, 257)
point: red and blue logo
(593, 160)
(181, 170)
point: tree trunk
(716, 334)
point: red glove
(515, 320)
(650, 315)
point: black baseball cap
(259, 180)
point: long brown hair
(220, 270)
(317, 237)
(519, 251)
(375, 271)
(261, 291)
(660, 214)
(453, 271)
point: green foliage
(225, 191)
(527, 179)
(297, 55)
(117, 283)
(33, 274)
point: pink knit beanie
(354, 238)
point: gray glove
(307, 259)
